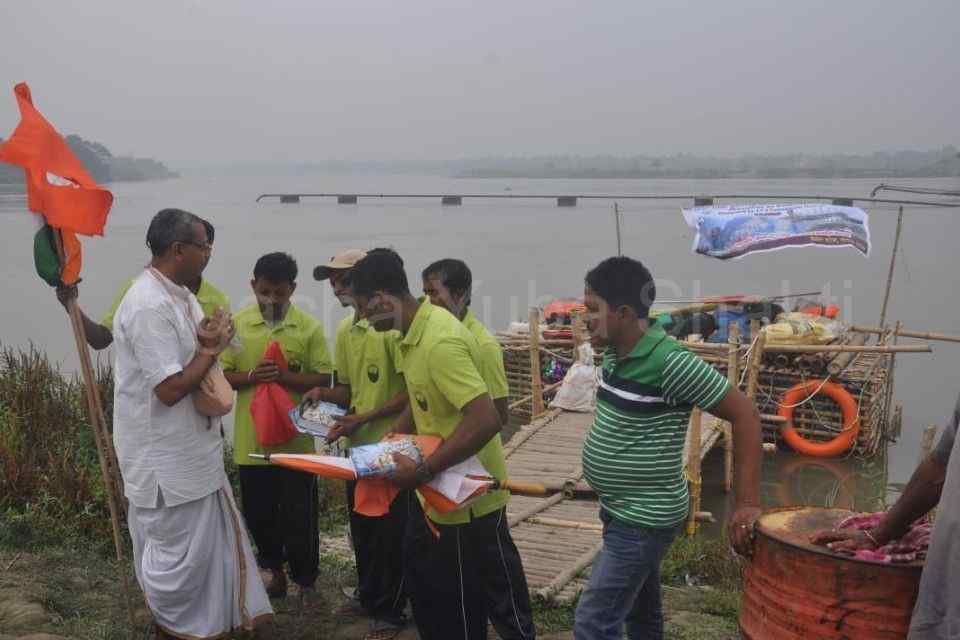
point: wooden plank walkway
(559, 536)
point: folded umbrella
(449, 490)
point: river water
(525, 253)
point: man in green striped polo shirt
(633, 455)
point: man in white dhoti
(191, 554)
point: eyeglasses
(205, 247)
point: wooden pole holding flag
(109, 468)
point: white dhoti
(196, 567)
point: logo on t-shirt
(373, 372)
(421, 400)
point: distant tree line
(944, 162)
(102, 165)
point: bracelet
(869, 535)
(208, 352)
(250, 376)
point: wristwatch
(423, 473)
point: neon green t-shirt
(208, 296)
(366, 360)
(439, 359)
(305, 347)
(491, 357)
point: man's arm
(744, 419)
(339, 395)
(921, 495)
(98, 336)
(480, 423)
(176, 387)
(503, 411)
(688, 379)
(303, 382)
(347, 425)
(405, 423)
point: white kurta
(191, 553)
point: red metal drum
(795, 590)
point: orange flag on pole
(58, 186)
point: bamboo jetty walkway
(559, 535)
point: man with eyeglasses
(191, 554)
(100, 335)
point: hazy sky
(213, 81)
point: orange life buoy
(848, 407)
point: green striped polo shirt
(633, 454)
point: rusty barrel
(793, 589)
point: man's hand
(405, 475)
(215, 332)
(66, 293)
(741, 529)
(849, 541)
(266, 371)
(346, 426)
(315, 395)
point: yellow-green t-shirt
(208, 296)
(491, 357)
(440, 360)
(304, 346)
(366, 360)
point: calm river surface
(526, 252)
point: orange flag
(69, 199)
(58, 186)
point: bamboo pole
(733, 376)
(841, 361)
(926, 442)
(905, 333)
(535, 509)
(108, 463)
(756, 356)
(579, 331)
(572, 572)
(693, 468)
(565, 524)
(893, 262)
(527, 398)
(524, 434)
(536, 405)
(109, 466)
(847, 348)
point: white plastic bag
(579, 389)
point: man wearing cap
(368, 382)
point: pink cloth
(912, 546)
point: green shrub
(49, 469)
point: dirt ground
(73, 593)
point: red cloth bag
(271, 406)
